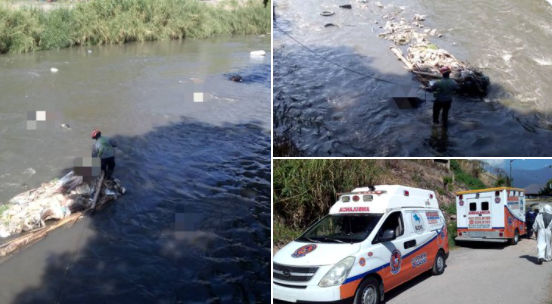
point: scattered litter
(378, 4)
(419, 17)
(330, 25)
(66, 126)
(347, 6)
(257, 53)
(424, 59)
(89, 51)
(53, 70)
(327, 13)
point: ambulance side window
(394, 222)
(473, 207)
(484, 206)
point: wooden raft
(33, 236)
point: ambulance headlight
(338, 273)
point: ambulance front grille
(293, 273)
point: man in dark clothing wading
(443, 90)
(104, 149)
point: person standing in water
(443, 90)
(104, 149)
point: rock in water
(236, 78)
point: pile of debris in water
(55, 200)
(424, 58)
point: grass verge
(121, 21)
(283, 235)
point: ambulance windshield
(341, 228)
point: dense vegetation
(469, 179)
(304, 190)
(121, 21)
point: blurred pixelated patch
(405, 97)
(87, 166)
(189, 221)
(195, 90)
(41, 120)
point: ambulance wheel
(515, 240)
(439, 265)
(368, 292)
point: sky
(524, 164)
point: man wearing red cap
(443, 90)
(104, 149)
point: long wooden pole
(399, 55)
(99, 189)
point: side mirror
(388, 235)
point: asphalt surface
(483, 273)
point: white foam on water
(543, 61)
(29, 171)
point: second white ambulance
(491, 215)
(373, 240)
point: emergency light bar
(379, 192)
(366, 198)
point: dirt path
(483, 273)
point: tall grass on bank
(306, 189)
(120, 21)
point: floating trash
(53, 70)
(346, 6)
(257, 53)
(327, 13)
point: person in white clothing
(543, 224)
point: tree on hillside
(502, 178)
(547, 189)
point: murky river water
(194, 226)
(329, 111)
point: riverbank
(28, 29)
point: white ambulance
(491, 215)
(373, 240)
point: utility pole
(510, 180)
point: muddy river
(327, 110)
(194, 226)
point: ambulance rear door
(479, 214)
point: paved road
(483, 273)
